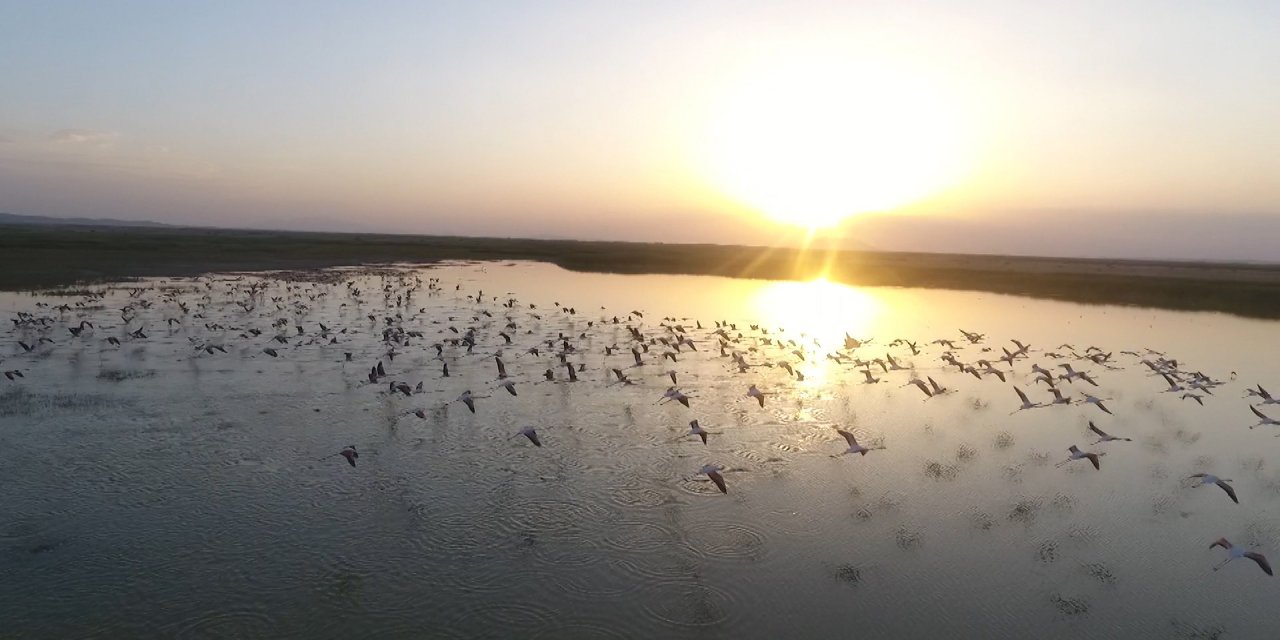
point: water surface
(153, 489)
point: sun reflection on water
(817, 315)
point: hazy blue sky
(1083, 128)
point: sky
(1100, 129)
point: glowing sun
(812, 143)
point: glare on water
(158, 489)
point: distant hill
(46, 221)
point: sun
(812, 142)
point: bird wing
(719, 480)
(1093, 457)
(1096, 430)
(1231, 492)
(1221, 542)
(502, 368)
(1258, 413)
(533, 437)
(1261, 560)
(1022, 395)
(848, 437)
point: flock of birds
(224, 316)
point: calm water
(156, 490)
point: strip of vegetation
(35, 257)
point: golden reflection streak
(820, 310)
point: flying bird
(1234, 552)
(1263, 419)
(1207, 478)
(1077, 454)
(713, 472)
(466, 399)
(696, 429)
(1104, 436)
(348, 452)
(529, 433)
(1097, 402)
(1026, 402)
(854, 447)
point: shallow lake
(162, 487)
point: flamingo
(1097, 402)
(1077, 454)
(1266, 397)
(937, 388)
(1234, 552)
(674, 394)
(696, 429)
(854, 447)
(713, 472)
(921, 386)
(1262, 418)
(529, 433)
(1058, 398)
(1026, 402)
(467, 399)
(348, 452)
(1207, 478)
(1104, 436)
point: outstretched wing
(1096, 430)
(1231, 492)
(1022, 396)
(719, 480)
(1221, 542)
(923, 387)
(848, 437)
(1261, 560)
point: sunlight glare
(812, 142)
(823, 311)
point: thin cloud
(83, 136)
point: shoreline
(37, 257)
